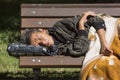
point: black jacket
(71, 41)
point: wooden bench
(44, 16)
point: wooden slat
(50, 61)
(53, 12)
(72, 5)
(38, 22)
(57, 10)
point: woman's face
(41, 38)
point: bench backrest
(45, 15)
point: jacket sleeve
(80, 45)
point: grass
(9, 66)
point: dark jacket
(71, 41)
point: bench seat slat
(50, 61)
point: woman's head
(38, 37)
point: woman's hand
(105, 50)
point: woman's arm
(104, 44)
(99, 25)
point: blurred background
(10, 32)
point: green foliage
(10, 23)
(8, 36)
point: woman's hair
(25, 36)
